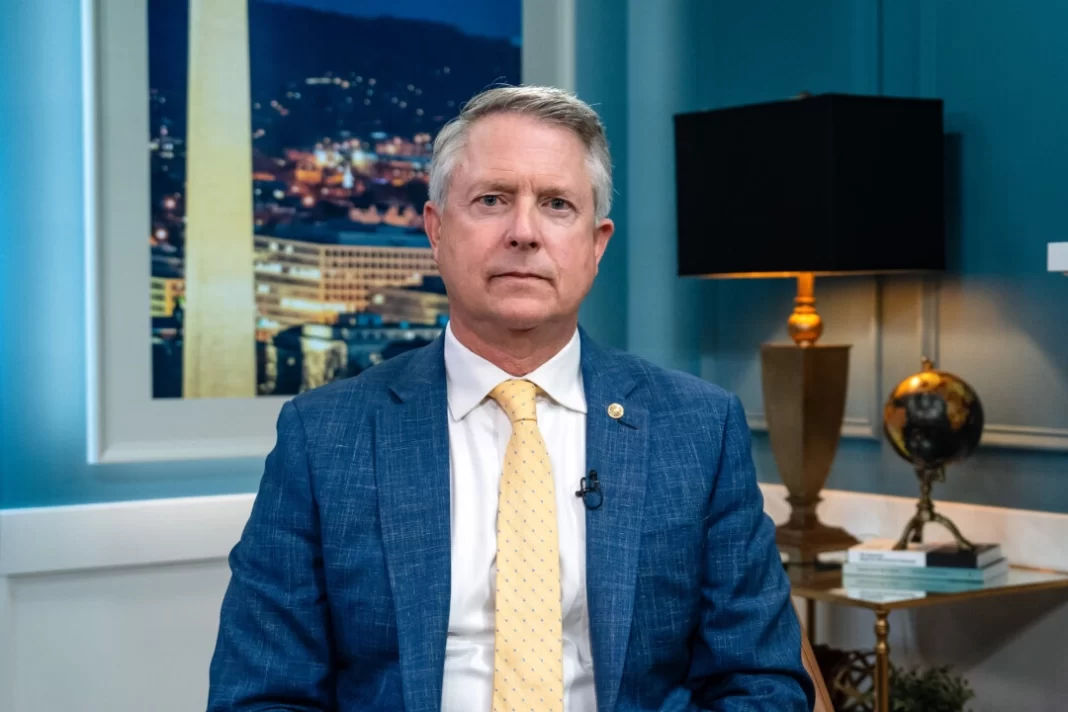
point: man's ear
(602, 234)
(432, 225)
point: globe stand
(925, 512)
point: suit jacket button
(615, 411)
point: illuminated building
(308, 172)
(427, 305)
(299, 282)
(397, 146)
(304, 357)
(165, 294)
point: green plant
(935, 689)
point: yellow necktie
(528, 640)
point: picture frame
(125, 422)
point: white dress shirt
(478, 434)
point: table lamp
(823, 185)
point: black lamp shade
(833, 183)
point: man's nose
(524, 232)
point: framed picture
(255, 176)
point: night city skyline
(344, 109)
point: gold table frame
(825, 584)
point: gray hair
(548, 104)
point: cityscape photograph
(346, 97)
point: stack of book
(928, 567)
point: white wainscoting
(114, 607)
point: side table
(825, 584)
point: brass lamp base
(925, 513)
(803, 544)
(804, 402)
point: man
(417, 543)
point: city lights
(342, 271)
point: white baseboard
(1027, 537)
(140, 533)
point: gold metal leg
(882, 662)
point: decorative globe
(933, 418)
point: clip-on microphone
(590, 491)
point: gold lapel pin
(615, 411)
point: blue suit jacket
(339, 598)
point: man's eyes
(492, 200)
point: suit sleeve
(274, 649)
(746, 654)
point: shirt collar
(470, 377)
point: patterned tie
(528, 642)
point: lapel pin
(615, 411)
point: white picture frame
(125, 423)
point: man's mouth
(520, 275)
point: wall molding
(1025, 437)
(867, 427)
(852, 427)
(927, 323)
(995, 435)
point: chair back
(808, 657)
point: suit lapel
(616, 449)
(412, 470)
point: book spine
(915, 573)
(898, 586)
(963, 559)
(895, 557)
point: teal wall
(994, 318)
(601, 80)
(42, 283)
(663, 312)
(42, 262)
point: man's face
(516, 242)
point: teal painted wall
(42, 284)
(42, 264)
(662, 311)
(996, 317)
(601, 80)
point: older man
(511, 518)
